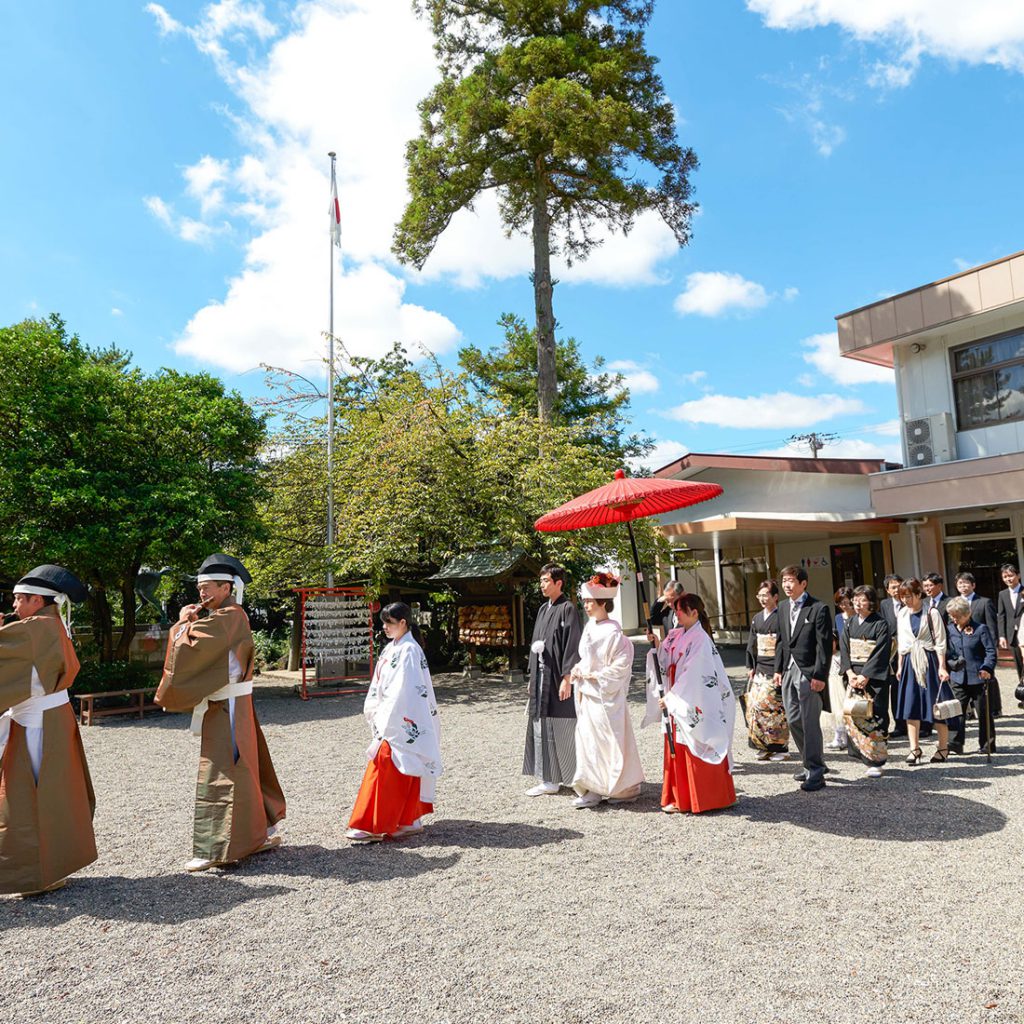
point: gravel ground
(788, 907)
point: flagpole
(330, 403)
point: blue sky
(164, 186)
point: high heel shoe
(915, 756)
(941, 754)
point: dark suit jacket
(1008, 617)
(810, 644)
(983, 613)
(940, 607)
(888, 612)
(978, 651)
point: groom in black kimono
(551, 732)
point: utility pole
(814, 441)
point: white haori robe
(607, 759)
(698, 694)
(401, 708)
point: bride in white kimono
(607, 760)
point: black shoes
(811, 786)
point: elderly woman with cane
(971, 660)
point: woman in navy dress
(923, 676)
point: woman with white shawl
(607, 760)
(923, 675)
(702, 712)
(405, 753)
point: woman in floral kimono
(702, 710)
(607, 760)
(864, 650)
(843, 600)
(767, 728)
(924, 678)
(405, 752)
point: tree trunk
(102, 623)
(547, 375)
(128, 600)
(295, 647)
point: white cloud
(823, 355)
(164, 22)
(807, 380)
(890, 428)
(661, 455)
(638, 380)
(712, 293)
(116, 312)
(980, 32)
(781, 410)
(159, 209)
(693, 378)
(288, 81)
(205, 181)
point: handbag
(945, 709)
(858, 707)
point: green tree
(590, 397)
(556, 106)
(427, 467)
(104, 468)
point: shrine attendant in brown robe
(46, 795)
(208, 671)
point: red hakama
(694, 785)
(387, 799)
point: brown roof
(774, 464)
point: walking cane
(988, 717)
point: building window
(988, 381)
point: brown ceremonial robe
(236, 801)
(45, 826)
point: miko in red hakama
(404, 756)
(702, 710)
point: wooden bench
(86, 711)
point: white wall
(750, 491)
(819, 579)
(925, 386)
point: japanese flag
(335, 210)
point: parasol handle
(641, 593)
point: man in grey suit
(802, 658)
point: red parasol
(622, 501)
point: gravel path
(788, 907)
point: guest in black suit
(971, 660)
(662, 612)
(935, 596)
(888, 609)
(983, 612)
(802, 658)
(1008, 614)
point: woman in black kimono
(864, 648)
(767, 729)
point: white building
(957, 349)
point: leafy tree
(589, 397)
(426, 468)
(556, 106)
(104, 468)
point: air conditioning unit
(929, 439)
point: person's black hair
(773, 587)
(556, 572)
(399, 611)
(1009, 567)
(933, 578)
(892, 576)
(796, 572)
(693, 603)
(864, 590)
(967, 577)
